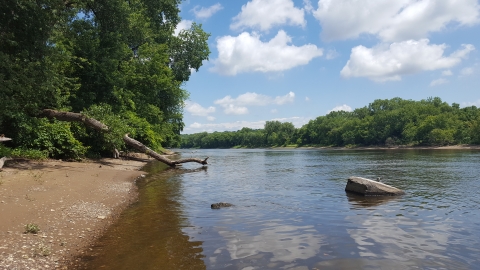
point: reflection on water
(368, 201)
(291, 212)
(283, 242)
(149, 234)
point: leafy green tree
(86, 55)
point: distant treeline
(383, 123)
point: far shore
(398, 147)
(457, 147)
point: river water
(291, 212)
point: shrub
(32, 228)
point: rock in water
(220, 205)
(369, 187)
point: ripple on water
(291, 210)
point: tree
(122, 56)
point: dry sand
(71, 202)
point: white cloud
(389, 62)
(205, 13)
(274, 111)
(210, 118)
(237, 105)
(182, 25)
(343, 107)
(288, 98)
(447, 72)
(295, 120)
(466, 71)
(231, 126)
(233, 109)
(247, 53)
(197, 109)
(237, 125)
(308, 6)
(307, 99)
(438, 82)
(393, 20)
(331, 54)
(469, 104)
(264, 14)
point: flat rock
(220, 205)
(369, 187)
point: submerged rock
(220, 205)
(369, 187)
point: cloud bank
(247, 53)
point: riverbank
(72, 203)
(454, 147)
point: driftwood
(172, 163)
(99, 126)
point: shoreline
(398, 147)
(72, 203)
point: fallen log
(144, 149)
(75, 117)
(99, 126)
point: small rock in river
(220, 205)
(369, 187)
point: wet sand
(71, 202)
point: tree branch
(99, 126)
(172, 163)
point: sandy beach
(71, 203)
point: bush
(42, 137)
(29, 153)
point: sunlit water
(291, 212)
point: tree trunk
(75, 117)
(99, 126)
(172, 163)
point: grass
(43, 250)
(32, 228)
(38, 177)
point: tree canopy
(384, 122)
(118, 61)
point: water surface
(291, 212)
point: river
(291, 212)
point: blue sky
(295, 60)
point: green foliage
(40, 138)
(29, 154)
(105, 142)
(383, 122)
(22, 153)
(5, 151)
(32, 228)
(118, 61)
